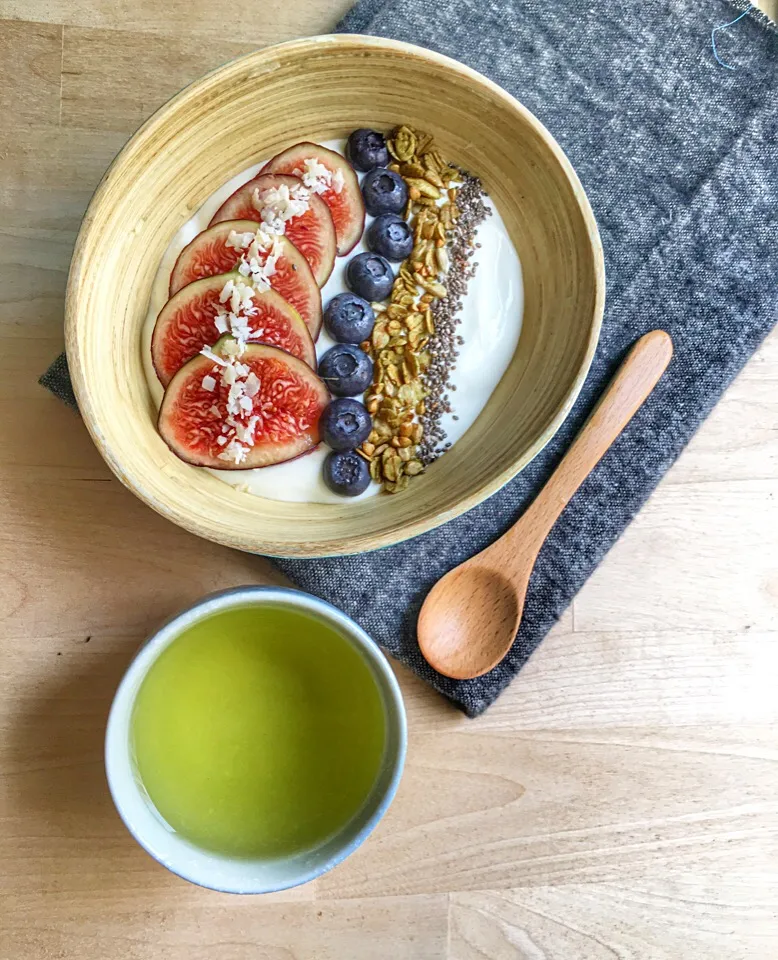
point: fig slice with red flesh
(312, 232)
(288, 403)
(188, 322)
(346, 205)
(210, 254)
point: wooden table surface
(619, 801)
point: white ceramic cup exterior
(229, 874)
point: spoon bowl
(447, 616)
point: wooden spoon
(471, 616)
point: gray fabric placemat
(678, 155)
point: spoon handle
(635, 379)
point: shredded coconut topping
(235, 319)
(259, 259)
(239, 241)
(214, 357)
(278, 205)
(237, 432)
(236, 306)
(234, 452)
(314, 175)
(239, 295)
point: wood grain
(145, 71)
(660, 919)
(619, 800)
(31, 54)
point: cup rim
(117, 754)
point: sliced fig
(312, 232)
(342, 195)
(188, 322)
(210, 254)
(288, 403)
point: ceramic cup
(228, 874)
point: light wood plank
(114, 80)
(194, 924)
(88, 554)
(31, 58)
(271, 21)
(740, 438)
(673, 678)
(48, 176)
(700, 556)
(507, 809)
(687, 915)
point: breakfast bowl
(318, 90)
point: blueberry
(370, 276)
(367, 149)
(390, 236)
(345, 424)
(348, 318)
(346, 473)
(346, 370)
(384, 192)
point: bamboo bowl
(318, 89)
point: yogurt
(490, 324)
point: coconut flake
(316, 176)
(278, 205)
(214, 357)
(338, 181)
(259, 262)
(245, 432)
(240, 420)
(234, 452)
(253, 385)
(234, 397)
(239, 241)
(239, 294)
(209, 383)
(240, 329)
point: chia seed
(446, 314)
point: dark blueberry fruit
(346, 473)
(348, 318)
(345, 424)
(346, 370)
(384, 192)
(366, 149)
(370, 276)
(390, 236)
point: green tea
(258, 732)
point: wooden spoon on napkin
(471, 616)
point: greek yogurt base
(490, 324)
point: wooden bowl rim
(263, 59)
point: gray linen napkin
(679, 156)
